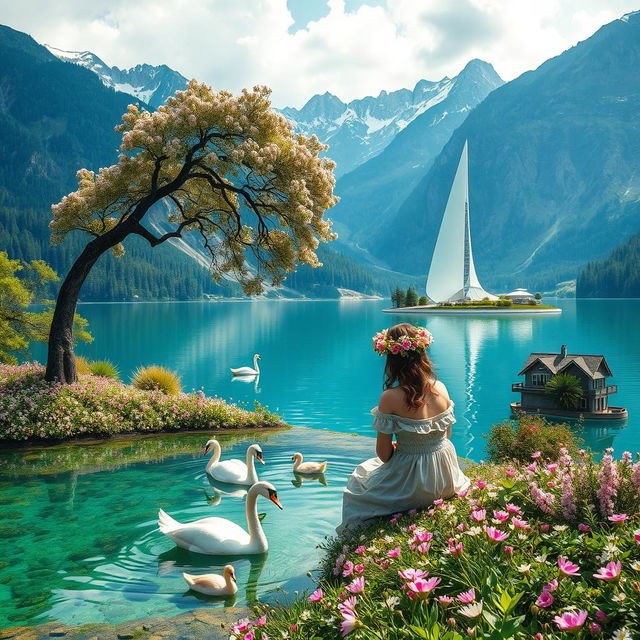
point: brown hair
(413, 372)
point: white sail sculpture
(452, 274)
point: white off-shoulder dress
(423, 468)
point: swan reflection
(248, 380)
(300, 479)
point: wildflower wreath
(383, 344)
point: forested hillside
(56, 117)
(617, 276)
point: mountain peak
(632, 16)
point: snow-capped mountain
(361, 129)
(150, 84)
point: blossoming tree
(231, 170)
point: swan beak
(293, 457)
(233, 577)
(206, 451)
(259, 456)
(274, 498)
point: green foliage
(518, 439)
(32, 409)
(398, 297)
(565, 390)
(504, 302)
(411, 298)
(104, 369)
(23, 285)
(489, 555)
(616, 276)
(157, 378)
(538, 296)
(423, 301)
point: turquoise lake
(318, 369)
(78, 522)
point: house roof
(556, 363)
(519, 293)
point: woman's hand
(385, 447)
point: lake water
(78, 523)
(318, 368)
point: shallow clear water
(82, 545)
(318, 369)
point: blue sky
(351, 48)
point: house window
(539, 379)
(583, 403)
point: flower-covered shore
(33, 409)
(545, 550)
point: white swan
(233, 471)
(211, 584)
(307, 467)
(217, 536)
(248, 371)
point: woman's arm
(385, 446)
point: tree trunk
(61, 362)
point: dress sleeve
(383, 422)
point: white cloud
(236, 43)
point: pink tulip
(413, 574)
(349, 622)
(513, 508)
(480, 484)
(545, 599)
(262, 620)
(347, 568)
(571, 621)
(359, 568)
(455, 548)
(394, 553)
(551, 586)
(467, 596)
(552, 467)
(422, 588)
(594, 628)
(536, 454)
(316, 596)
(361, 549)
(510, 472)
(532, 467)
(508, 550)
(422, 536)
(241, 626)
(348, 605)
(519, 524)
(544, 528)
(438, 502)
(444, 601)
(356, 585)
(479, 515)
(584, 527)
(610, 572)
(495, 535)
(618, 517)
(501, 515)
(567, 568)
(424, 547)
(601, 616)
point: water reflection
(248, 380)
(300, 479)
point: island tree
(565, 390)
(228, 168)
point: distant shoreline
(480, 311)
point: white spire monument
(452, 274)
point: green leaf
(422, 633)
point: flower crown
(384, 345)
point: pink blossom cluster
(418, 340)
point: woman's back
(436, 401)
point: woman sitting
(421, 465)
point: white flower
(619, 597)
(305, 615)
(611, 548)
(635, 565)
(472, 610)
(474, 531)
(389, 539)
(541, 558)
(392, 602)
(560, 527)
(524, 568)
(622, 634)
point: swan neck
(252, 476)
(215, 456)
(255, 364)
(254, 526)
(297, 463)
